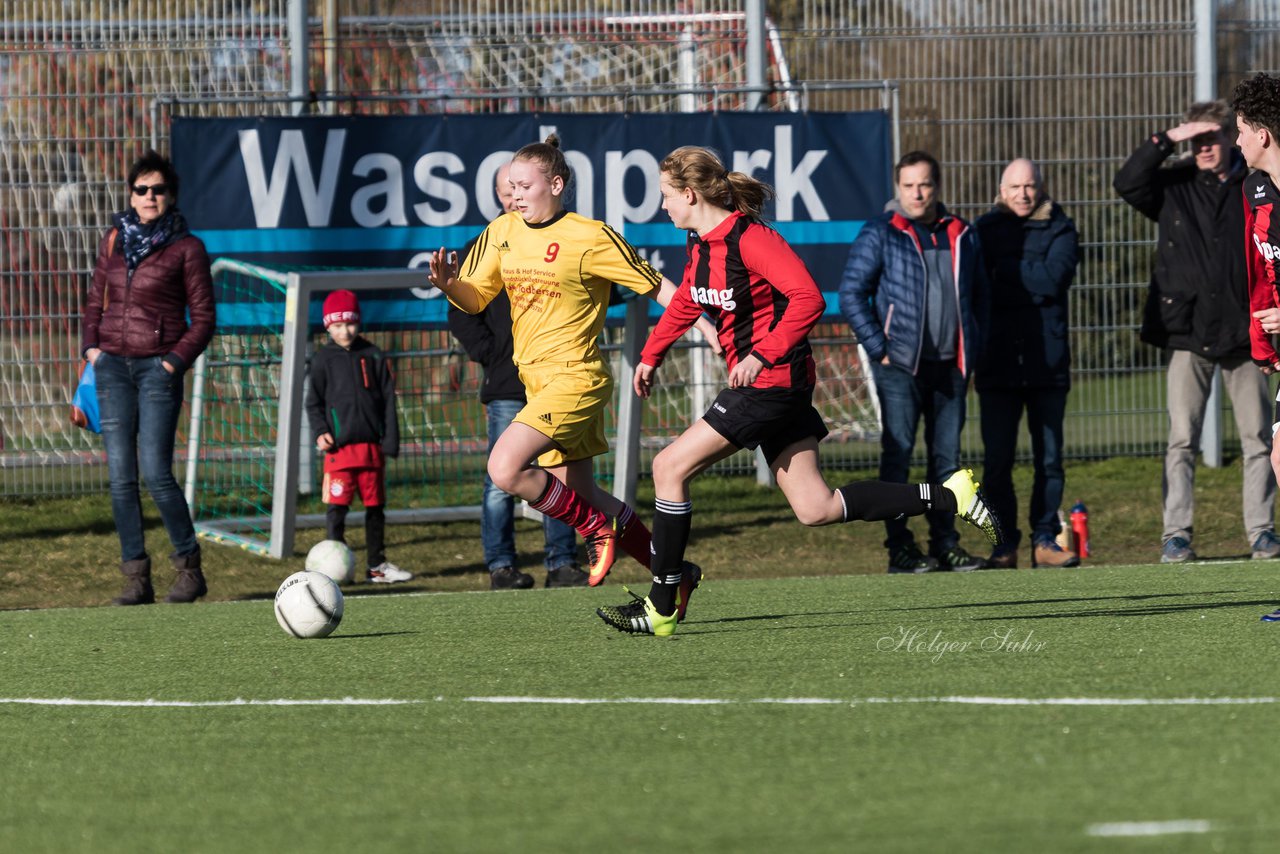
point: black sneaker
(956, 559)
(909, 559)
(509, 578)
(567, 576)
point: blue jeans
(139, 402)
(936, 394)
(497, 514)
(1001, 416)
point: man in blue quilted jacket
(915, 292)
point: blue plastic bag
(84, 403)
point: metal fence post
(626, 469)
(299, 62)
(756, 61)
(1206, 60)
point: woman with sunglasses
(148, 316)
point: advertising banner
(386, 191)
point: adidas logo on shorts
(545, 419)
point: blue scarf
(139, 239)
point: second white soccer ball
(308, 605)
(334, 559)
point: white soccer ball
(308, 605)
(334, 559)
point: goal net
(252, 472)
(593, 58)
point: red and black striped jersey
(1262, 250)
(758, 292)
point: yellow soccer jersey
(557, 275)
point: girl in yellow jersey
(557, 268)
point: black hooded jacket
(353, 397)
(1199, 294)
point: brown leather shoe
(1053, 555)
(1004, 557)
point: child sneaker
(387, 573)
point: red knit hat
(341, 307)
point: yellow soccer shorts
(566, 403)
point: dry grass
(64, 552)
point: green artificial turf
(877, 759)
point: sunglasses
(157, 189)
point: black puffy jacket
(1199, 296)
(1032, 262)
(353, 397)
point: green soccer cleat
(638, 617)
(971, 507)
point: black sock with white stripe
(875, 500)
(671, 523)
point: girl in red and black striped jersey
(764, 302)
(1256, 102)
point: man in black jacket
(1031, 250)
(487, 339)
(1198, 307)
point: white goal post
(292, 456)
(251, 462)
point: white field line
(1148, 828)
(187, 704)
(661, 701)
(860, 701)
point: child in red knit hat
(352, 409)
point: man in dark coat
(1030, 248)
(1198, 307)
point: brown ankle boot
(189, 585)
(137, 583)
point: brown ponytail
(701, 170)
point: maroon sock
(560, 502)
(634, 537)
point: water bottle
(1064, 532)
(1080, 529)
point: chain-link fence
(1075, 84)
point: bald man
(1030, 247)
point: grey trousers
(1189, 381)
